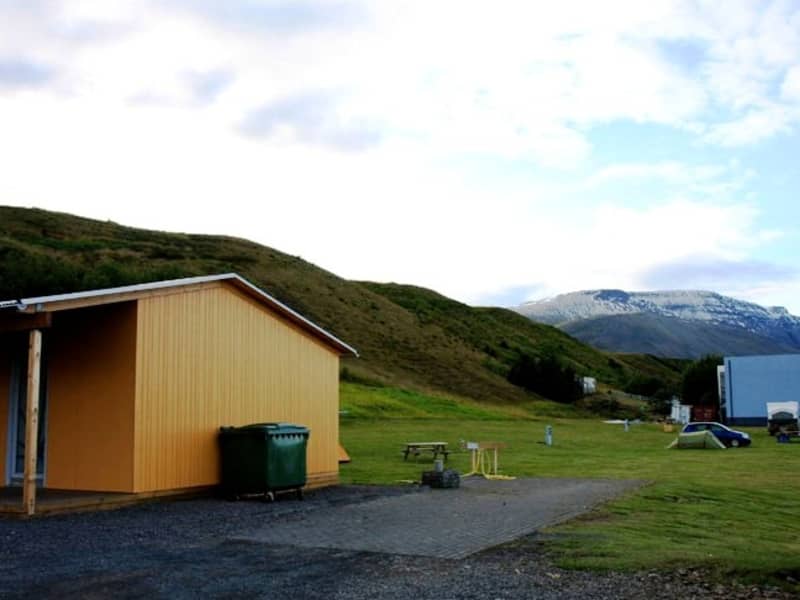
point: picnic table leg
(405, 454)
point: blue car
(726, 435)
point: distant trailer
(752, 381)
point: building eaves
(45, 303)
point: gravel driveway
(197, 548)
(445, 523)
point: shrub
(547, 377)
(699, 385)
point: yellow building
(135, 382)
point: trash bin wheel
(299, 493)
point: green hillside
(501, 335)
(408, 337)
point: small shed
(124, 389)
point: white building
(681, 413)
(748, 383)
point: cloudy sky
(494, 151)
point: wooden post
(32, 421)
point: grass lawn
(734, 512)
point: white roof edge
(37, 302)
(761, 356)
(125, 289)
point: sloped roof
(72, 300)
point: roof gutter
(9, 304)
(50, 303)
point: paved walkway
(445, 523)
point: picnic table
(417, 448)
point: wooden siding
(91, 357)
(5, 389)
(216, 357)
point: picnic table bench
(417, 448)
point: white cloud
(673, 171)
(773, 293)
(750, 52)
(790, 88)
(754, 126)
(510, 80)
(424, 92)
(620, 245)
(615, 247)
(662, 179)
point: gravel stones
(184, 549)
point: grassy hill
(407, 336)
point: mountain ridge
(611, 319)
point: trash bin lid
(266, 429)
(276, 428)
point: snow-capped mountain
(636, 321)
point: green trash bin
(263, 458)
